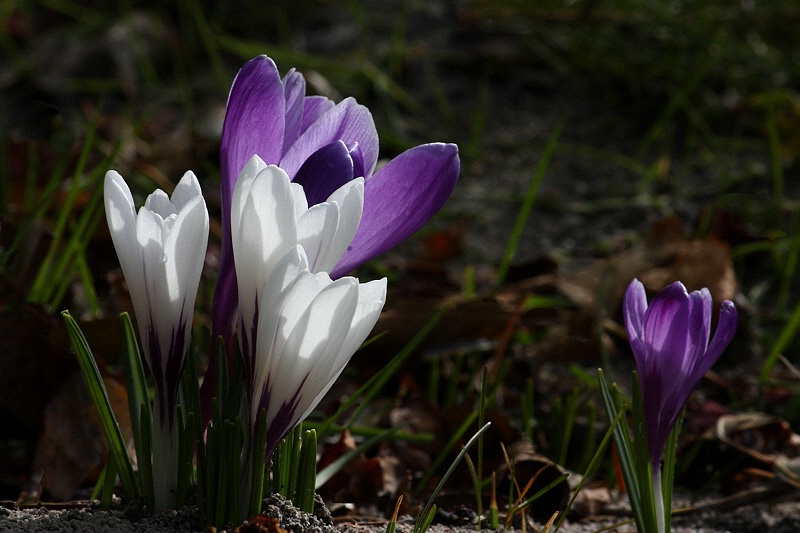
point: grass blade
(527, 203)
(430, 509)
(116, 444)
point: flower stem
(165, 462)
(658, 498)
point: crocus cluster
(322, 146)
(670, 343)
(302, 205)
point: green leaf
(258, 466)
(668, 470)
(624, 449)
(138, 405)
(641, 459)
(527, 203)
(593, 463)
(116, 444)
(146, 457)
(109, 479)
(307, 472)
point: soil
(710, 517)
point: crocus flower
(322, 146)
(670, 342)
(297, 327)
(161, 251)
(309, 326)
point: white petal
(349, 198)
(241, 189)
(185, 249)
(150, 238)
(305, 361)
(158, 202)
(316, 229)
(371, 298)
(121, 218)
(265, 232)
(300, 201)
(270, 316)
(187, 189)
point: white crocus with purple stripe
(309, 326)
(161, 250)
(297, 328)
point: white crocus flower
(297, 327)
(161, 250)
(309, 327)
(269, 217)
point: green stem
(658, 499)
(165, 462)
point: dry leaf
(72, 447)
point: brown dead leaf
(668, 255)
(591, 500)
(760, 436)
(72, 446)
(260, 524)
(528, 465)
(34, 362)
(739, 444)
(375, 480)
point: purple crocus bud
(161, 250)
(322, 145)
(670, 342)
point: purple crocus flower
(670, 342)
(322, 145)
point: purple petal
(254, 120)
(726, 329)
(313, 108)
(347, 121)
(400, 198)
(254, 124)
(294, 90)
(634, 309)
(358, 161)
(699, 328)
(666, 324)
(326, 170)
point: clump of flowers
(322, 146)
(673, 348)
(302, 205)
